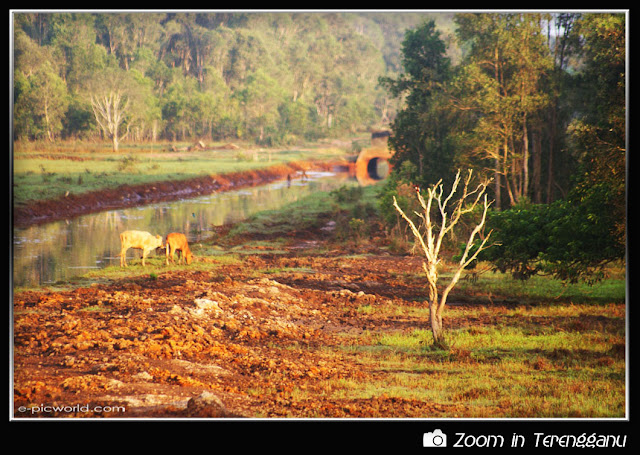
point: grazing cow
(140, 240)
(177, 241)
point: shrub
(570, 239)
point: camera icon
(434, 439)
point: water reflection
(60, 250)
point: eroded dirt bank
(238, 340)
(44, 211)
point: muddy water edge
(46, 253)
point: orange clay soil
(263, 337)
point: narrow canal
(45, 254)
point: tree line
(537, 103)
(272, 78)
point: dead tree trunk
(109, 111)
(430, 238)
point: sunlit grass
(541, 288)
(41, 172)
(544, 361)
(156, 265)
(309, 212)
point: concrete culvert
(372, 165)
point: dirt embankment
(124, 196)
(219, 343)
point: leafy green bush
(347, 194)
(352, 213)
(570, 239)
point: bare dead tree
(117, 101)
(431, 236)
(109, 110)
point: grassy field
(44, 171)
(551, 360)
(540, 348)
(553, 350)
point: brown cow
(140, 240)
(177, 241)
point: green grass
(303, 214)
(491, 284)
(540, 348)
(155, 266)
(310, 212)
(558, 360)
(41, 172)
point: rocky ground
(239, 340)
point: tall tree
(40, 96)
(575, 237)
(563, 41)
(260, 100)
(422, 128)
(500, 87)
(598, 136)
(112, 94)
(52, 99)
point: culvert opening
(378, 168)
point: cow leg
(171, 251)
(166, 254)
(123, 257)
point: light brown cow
(140, 240)
(177, 241)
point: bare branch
(431, 246)
(109, 110)
(414, 229)
(464, 261)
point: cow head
(159, 242)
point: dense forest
(272, 78)
(538, 103)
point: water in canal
(51, 252)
